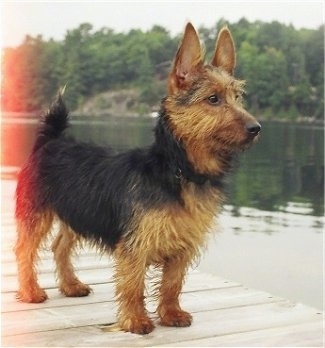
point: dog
(146, 206)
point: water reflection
(283, 172)
(257, 220)
(286, 167)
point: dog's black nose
(253, 128)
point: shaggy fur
(149, 206)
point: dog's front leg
(169, 310)
(129, 277)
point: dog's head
(204, 102)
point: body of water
(270, 234)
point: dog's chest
(177, 229)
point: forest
(283, 67)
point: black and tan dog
(149, 206)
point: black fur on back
(97, 192)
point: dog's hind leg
(31, 232)
(63, 247)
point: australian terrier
(148, 206)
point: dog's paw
(37, 295)
(175, 317)
(77, 289)
(142, 325)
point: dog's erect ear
(225, 53)
(189, 58)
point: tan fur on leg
(30, 235)
(169, 310)
(62, 248)
(129, 276)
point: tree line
(283, 66)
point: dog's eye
(213, 99)
(238, 97)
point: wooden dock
(225, 313)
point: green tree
(283, 67)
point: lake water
(270, 235)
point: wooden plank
(79, 310)
(196, 282)
(300, 335)
(45, 254)
(47, 281)
(47, 265)
(101, 292)
(95, 273)
(104, 292)
(207, 324)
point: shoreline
(34, 117)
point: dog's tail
(55, 121)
